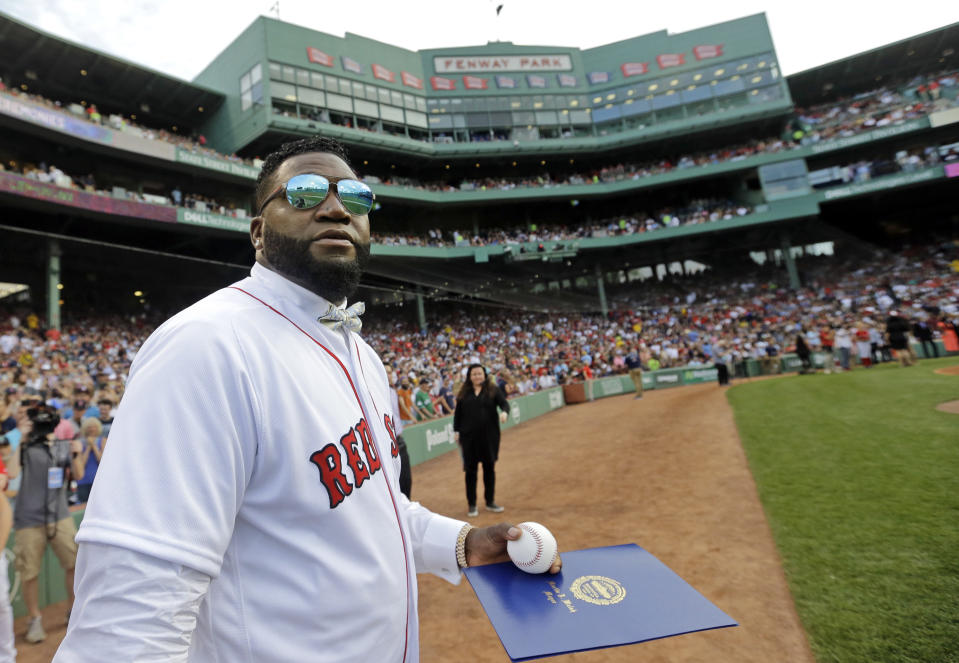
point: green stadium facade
(461, 117)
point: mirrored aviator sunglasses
(307, 191)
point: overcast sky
(180, 37)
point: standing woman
(477, 432)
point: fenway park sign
(451, 64)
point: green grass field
(859, 477)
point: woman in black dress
(476, 426)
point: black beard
(334, 280)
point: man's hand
(487, 545)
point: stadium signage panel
(708, 51)
(442, 83)
(349, 64)
(205, 161)
(667, 60)
(384, 74)
(633, 68)
(448, 64)
(889, 182)
(597, 77)
(56, 120)
(869, 136)
(410, 80)
(23, 186)
(319, 57)
(192, 218)
(474, 82)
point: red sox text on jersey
(356, 450)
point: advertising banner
(634, 68)
(53, 119)
(536, 81)
(441, 83)
(410, 80)
(384, 74)
(699, 375)
(207, 220)
(213, 163)
(474, 83)
(505, 82)
(598, 77)
(319, 57)
(667, 60)
(566, 80)
(349, 64)
(708, 51)
(22, 186)
(952, 169)
(882, 183)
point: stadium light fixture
(200, 108)
(59, 286)
(60, 302)
(138, 293)
(447, 166)
(23, 86)
(83, 72)
(675, 81)
(477, 164)
(719, 72)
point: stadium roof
(53, 67)
(937, 50)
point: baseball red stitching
(539, 545)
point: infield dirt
(667, 472)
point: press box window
(251, 87)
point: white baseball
(535, 549)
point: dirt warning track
(667, 472)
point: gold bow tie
(334, 318)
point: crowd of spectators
(885, 106)
(195, 143)
(51, 174)
(693, 320)
(705, 210)
(863, 170)
(881, 107)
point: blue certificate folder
(603, 597)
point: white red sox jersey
(256, 446)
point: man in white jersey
(260, 519)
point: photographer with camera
(41, 516)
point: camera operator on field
(41, 515)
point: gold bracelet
(461, 546)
